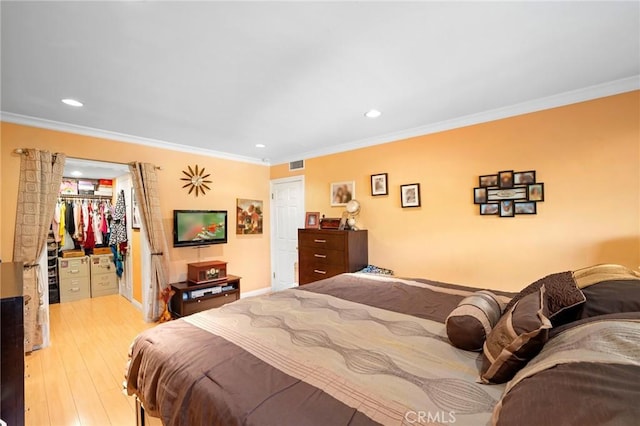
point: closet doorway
(94, 171)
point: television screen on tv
(199, 227)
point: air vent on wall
(296, 165)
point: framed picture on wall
(507, 208)
(488, 180)
(342, 192)
(524, 178)
(479, 195)
(410, 195)
(535, 192)
(505, 179)
(489, 209)
(379, 184)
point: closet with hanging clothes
(81, 230)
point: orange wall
(247, 256)
(587, 155)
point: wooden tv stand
(190, 299)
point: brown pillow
(471, 321)
(519, 335)
(563, 296)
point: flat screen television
(199, 227)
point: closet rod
(86, 197)
(23, 150)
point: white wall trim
(259, 292)
(120, 137)
(580, 95)
(567, 98)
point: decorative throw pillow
(611, 297)
(519, 335)
(563, 296)
(595, 274)
(471, 321)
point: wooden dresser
(323, 253)
(12, 343)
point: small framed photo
(488, 180)
(507, 208)
(379, 184)
(410, 195)
(312, 220)
(342, 192)
(524, 178)
(535, 192)
(526, 208)
(479, 195)
(489, 209)
(505, 179)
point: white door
(287, 207)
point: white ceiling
(220, 77)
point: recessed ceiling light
(372, 113)
(72, 102)
(260, 145)
(76, 173)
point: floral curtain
(38, 188)
(145, 183)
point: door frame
(273, 221)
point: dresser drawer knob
(321, 256)
(317, 271)
(319, 241)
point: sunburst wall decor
(196, 180)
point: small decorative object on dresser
(312, 220)
(324, 253)
(206, 272)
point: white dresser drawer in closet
(73, 267)
(74, 289)
(103, 275)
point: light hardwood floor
(78, 379)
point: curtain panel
(38, 188)
(145, 183)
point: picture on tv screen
(199, 227)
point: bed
(362, 349)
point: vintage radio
(330, 223)
(206, 272)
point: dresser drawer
(318, 257)
(102, 264)
(74, 289)
(329, 240)
(308, 275)
(200, 305)
(103, 284)
(73, 267)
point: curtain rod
(23, 151)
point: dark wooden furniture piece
(190, 298)
(11, 344)
(324, 253)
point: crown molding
(120, 137)
(567, 98)
(575, 96)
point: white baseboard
(257, 292)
